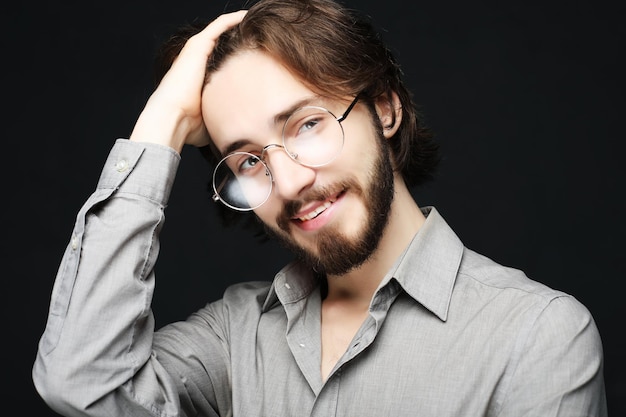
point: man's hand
(172, 116)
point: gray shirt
(450, 332)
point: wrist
(163, 128)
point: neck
(360, 284)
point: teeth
(316, 212)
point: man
(384, 313)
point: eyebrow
(279, 119)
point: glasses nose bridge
(276, 145)
(268, 147)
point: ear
(389, 112)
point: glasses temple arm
(347, 112)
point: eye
(244, 163)
(248, 164)
(308, 124)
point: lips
(314, 209)
(315, 212)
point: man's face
(331, 216)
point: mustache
(321, 193)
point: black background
(526, 99)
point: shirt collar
(426, 270)
(291, 284)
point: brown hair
(336, 52)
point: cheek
(268, 211)
(359, 154)
(361, 143)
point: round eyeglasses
(312, 136)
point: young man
(384, 313)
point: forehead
(242, 98)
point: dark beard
(339, 254)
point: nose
(290, 177)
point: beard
(336, 253)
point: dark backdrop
(526, 99)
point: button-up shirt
(449, 332)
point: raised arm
(173, 116)
(96, 355)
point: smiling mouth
(318, 210)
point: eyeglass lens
(312, 136)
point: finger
(205, 40)
(221, 24)
(190, 63)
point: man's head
(333, 215)
(290, 53)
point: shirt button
(122, 165)
(74, 243)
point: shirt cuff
(144, 169)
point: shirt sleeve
(560, 371)
(96, 356)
